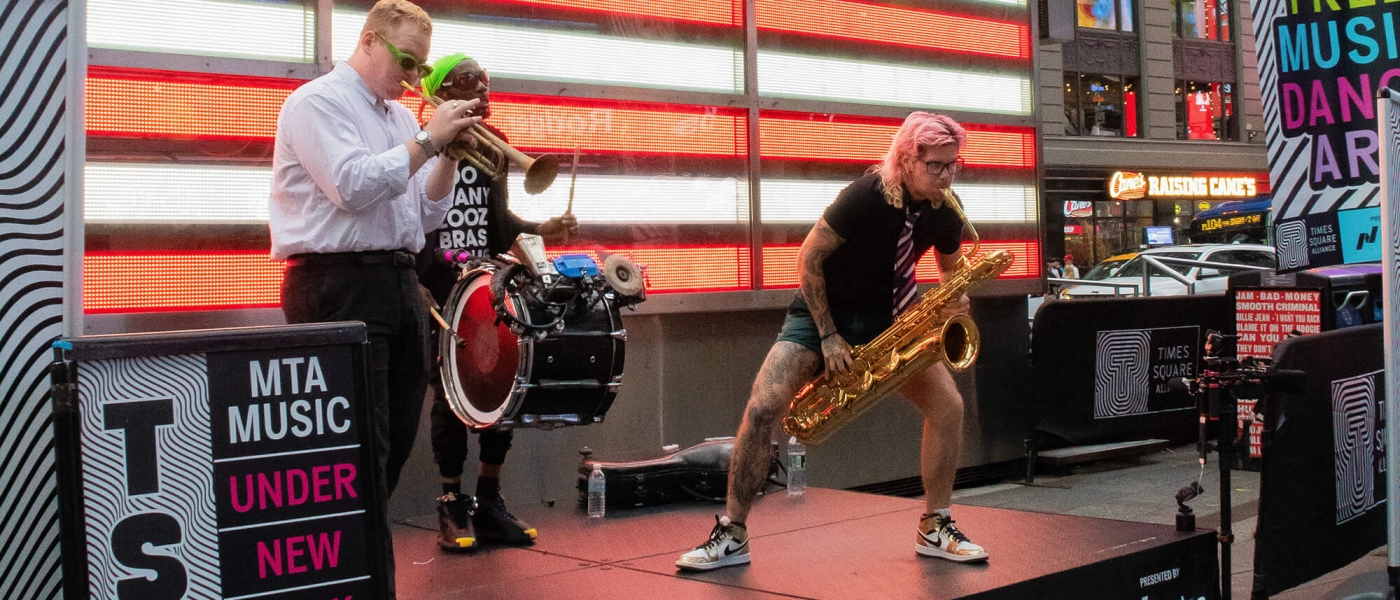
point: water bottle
(597, 487)
(797, 467)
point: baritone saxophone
(917, 339)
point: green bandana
(441, 68)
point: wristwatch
(426, 141)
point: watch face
(421, 136)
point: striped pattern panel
(182, 384)
(33, 85)
(1290, 162)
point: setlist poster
(226, 475)
(1264, 317)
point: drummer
(481, 225)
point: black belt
(391, 258)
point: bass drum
(496, 379)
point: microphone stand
(1223, 402)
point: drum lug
(613, 386)
(620, 334)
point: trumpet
(491, 153)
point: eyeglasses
(936, 168)
(407, 62)
(468, 80)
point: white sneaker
(728, 546)
(943, 540)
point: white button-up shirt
(340, 179)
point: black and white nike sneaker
(939, 537)
(728, 546)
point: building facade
(1150, 117)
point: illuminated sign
(1079, 208)
(1219, 223)
(1074, 230)
(1125, 185)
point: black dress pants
(384, 295)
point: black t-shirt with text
(860, 272)
(479, 222)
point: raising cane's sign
(1125, 185)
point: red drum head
(485, 356)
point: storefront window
(1205, 111)
(1202, 19)
(1106, 14)
(1101, 105)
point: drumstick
(573, 178)
(443, 322)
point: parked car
(1206, 280)
(1108, 268)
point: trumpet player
(356, 183)
(857, 274)
(478, 224)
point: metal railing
(1160, 263)
(1132, 287)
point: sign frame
(67, 370)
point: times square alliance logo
(1358, 444)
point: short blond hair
(388, 15)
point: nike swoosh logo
(936, 540)
(732, 548)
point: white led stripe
(577, 57)
(245, 29)
(801, 76)
(625, 199)
(804, 201)
(144, 193)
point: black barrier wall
(1100, 367)
(1322, 493)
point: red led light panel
(714, 12)
(895, 25)
(145, 108)
(867, 142)
(684, 269)
(599, 128)
(135, 105)
(130, 282)
(780, 263)
(118, 282)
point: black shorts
(857, 328)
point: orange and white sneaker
(939, 537)
(728, 546)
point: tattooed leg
(786, 368)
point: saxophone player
(857, 274)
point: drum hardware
(533, 351)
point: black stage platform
(830, 544)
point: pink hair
(920, 130)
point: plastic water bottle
(597, 487)
(797, 467)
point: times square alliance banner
(1320, 63)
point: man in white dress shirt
(355, 185)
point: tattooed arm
(820, 243)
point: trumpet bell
(540, 173)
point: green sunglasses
(406, 62)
